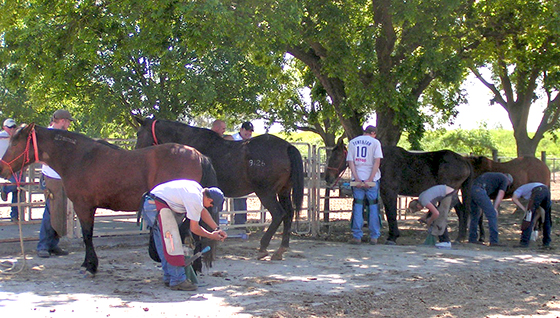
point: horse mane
(175, 124)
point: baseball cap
(247, 126)
(10, 123)
(62, 114)
(369, 129)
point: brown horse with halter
(97, 174)
(269, 166)
(410, 173)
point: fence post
(495, 155)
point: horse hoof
(389, 242)
(86, 274)
(277, 256)
(261, 254)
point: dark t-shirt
(492, 182)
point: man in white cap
(9, 128)
(55, 200)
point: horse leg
(390, 203)
(286, 203)
(86, 221)
(481, 228)
(462, 215)
(278, 214)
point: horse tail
(209, 178)
(297, 177)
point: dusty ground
(320, 277)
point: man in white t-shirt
(364, 157)
(53, 224)
(9, 128)
(186, 198)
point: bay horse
(410, 173)
(269, 166)
(97, 174)
(523, 170)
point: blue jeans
(240, 205)
(481, 200)
(48, 239)
(173, 275)
(539, 197)
(374, 224)
(15, 193)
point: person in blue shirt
(486, 186)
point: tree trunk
(387, 132)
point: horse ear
(139, 120)
(340, 141)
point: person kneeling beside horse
(164, 207)
(436, 218)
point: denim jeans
(173, 275)
(374, 224)
(13, 189)
(481, 200)
(48, 239)
(540, 197)
(240, 205)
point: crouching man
(164, 207)
(436, 217)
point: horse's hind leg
(90, 262)
(278, 214)
(286, 203)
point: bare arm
(218, 235)
(515, 200)
(435, 213)
(498, 200)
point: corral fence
(320, 206)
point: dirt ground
(319, 277)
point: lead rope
(9, 264)
(154, 132)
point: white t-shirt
(4, 142)
(363, 150)
(182, 196)
(48, 171)
(237, 137)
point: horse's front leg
(86, 218)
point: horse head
(336, 163)
(145, 136)
(19, 152)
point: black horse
(410, 173)
(267, 165)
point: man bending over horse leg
(173, 200)
(364, 157)
(539, 196)
(436, 218)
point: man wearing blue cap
(166, 205)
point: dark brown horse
(523, 170)
(269, 166)
(97, 174)
(410, 173)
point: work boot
(58, 251)
(43, 254)
(185, 285)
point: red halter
(154, 131)
(25, 154)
